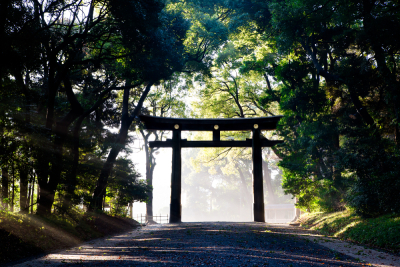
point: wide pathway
(199, 244)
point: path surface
(202, 244)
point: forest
(75, 76)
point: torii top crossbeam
(237, 124)
(214, 125)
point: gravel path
(198, 244)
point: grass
(381, 232)
(24, 235)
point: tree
(73, 48)
(234, 91)
(18, 55)
(335, 86)
(165, 101)
(163, 55)
(67, 32)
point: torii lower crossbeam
(215, 125)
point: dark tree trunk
(4, 186)
(29, 197)
(61, 134)
(30, 190)
(54, 75)
(72, 179)
(13, 188)
(23, 191)
(100, 190)
(149, 179)
(337, 174)
(33, 192)
(48, 186)
(45, 200)
(57, 161)
(126, 122)
(150, 164)
(37, 195)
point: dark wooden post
(175, 206)
(216, 134)
(259, 212)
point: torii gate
(256, 125)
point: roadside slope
(29, 235)
(382, 232)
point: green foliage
(336, 92)
(56, 113)
(376, 185)
(125, 186)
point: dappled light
(202, 243)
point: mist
(208, 194)
(212, 193)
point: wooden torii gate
(256, 125)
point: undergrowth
(24, 235)
(381, 232)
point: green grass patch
(381, 232)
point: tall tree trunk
(33, 191)
(149, 174)
(126, 122)
(337, 177)
(149, 179)
(297, 211)
(13, 187)
(56, 165)
(4, 167)
(396, 127)
(5, 180)
(28, 199)
(37, 195)
(44, 156)
(23, 191)
(72, 179)
(61, 133)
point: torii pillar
(176, 179)
(258, 188)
